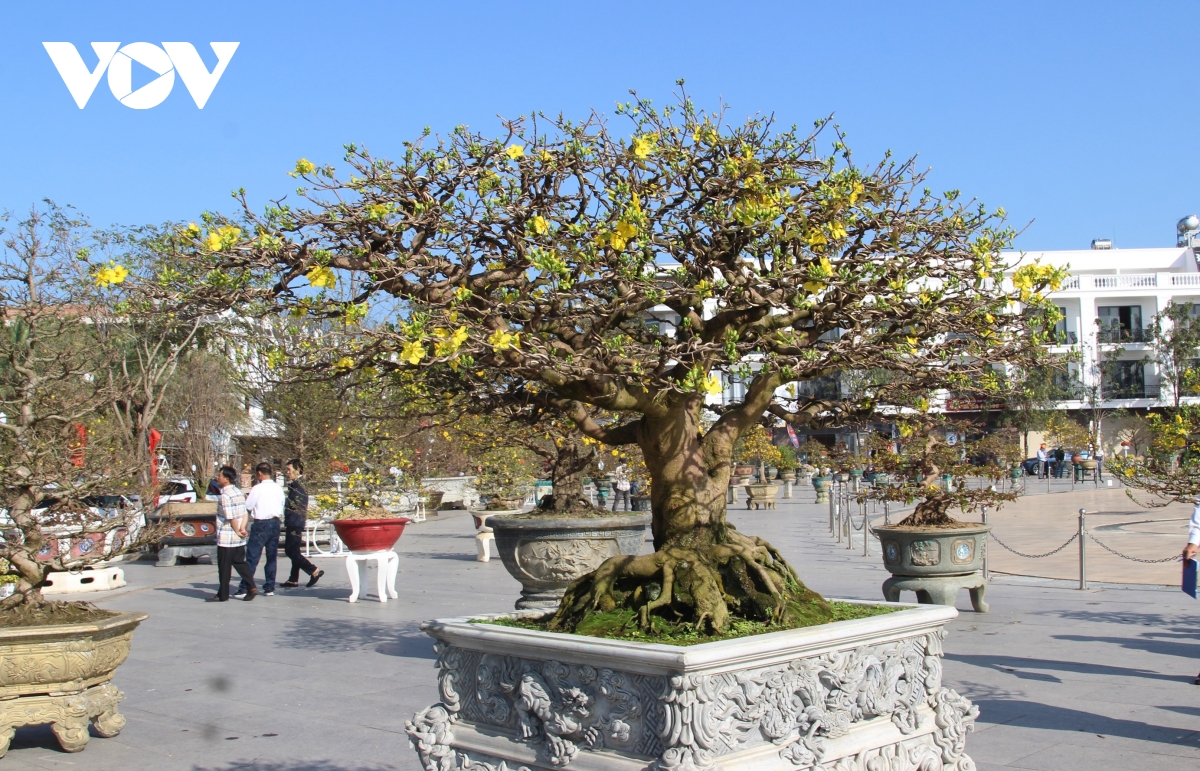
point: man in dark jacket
(295, 514)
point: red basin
(370, 534)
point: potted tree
(62, 459)
(757, 449)
(929, 551)
(538, 278)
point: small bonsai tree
(930, 446)
(755, 448)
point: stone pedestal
(787, 489)
(938, 590)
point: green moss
(621, 624)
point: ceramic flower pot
(370, 534)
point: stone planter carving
(62, 675)
(848, 696)
(935, 563)
(547, 553)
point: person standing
(1192, 546)
(1043, 457)
(621, 486)
(295, 515)
(231, 537)
(265, 504)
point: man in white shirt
(265, 504)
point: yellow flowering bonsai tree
(577, 266)
(1170, 471)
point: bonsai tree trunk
(702, 568)
(567, 462)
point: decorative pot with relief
(911, 551)
(547, 553)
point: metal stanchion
(836, 509)
(832, 506)
(985, 554)
(866, 533)
(1082, 552)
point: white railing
(1088, 283)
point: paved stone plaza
(305, 681)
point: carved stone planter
(935, 563)
(761, 496)
(849, 696)
(62, 675)
(547, 553)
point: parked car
(177, 491)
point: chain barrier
(1108, 548)
(1070, 541)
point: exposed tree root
(703, 584)
(931, 512)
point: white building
(1108, 305)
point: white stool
(387, 564)
(483, 536)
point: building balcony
(1100, 283)
(1114, 391)
(1126, 335)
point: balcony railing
(1126, 335)
(1130, 391)
(1086, 282)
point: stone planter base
(939, 590)
(862, 694)
(68, 716)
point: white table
(387, 564)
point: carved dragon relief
(560, 709)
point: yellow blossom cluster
(111, 275)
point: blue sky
(1079, 117)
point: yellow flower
(223, 238)
(344, 363)
(816, 238)
(412, 352)
(303, 166)
(825, 266)
(814, 287)
(837, 230)
(643, 146)
(515, 151)
(193, 229)
(540, 226)
(616, 241)
(626, 230)
(712, 385)
(989, 317)
(322, 276)
(545, 156)
(500, 340)
(855, 191)
(111, 276)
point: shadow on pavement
(1140, 643)
(1173, 623)
(1016, 666)
(1032, 714)
(196, 593)
(344, 634)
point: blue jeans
(264, 533)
